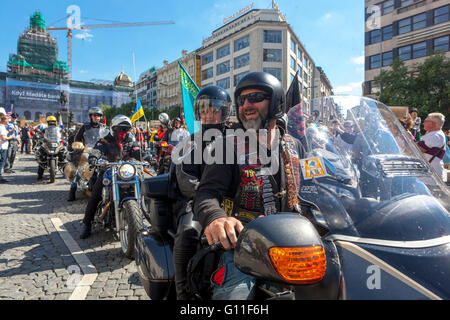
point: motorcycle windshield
(52, 134)
(92, 135)
(365, 173)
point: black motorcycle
(51, 152)
(374, 224)
(120, 208)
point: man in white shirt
(4, 142)
(432, 144)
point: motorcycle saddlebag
(156, 187)
(154, 261)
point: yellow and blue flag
(138, 112)
(189, 91)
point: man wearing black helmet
(89, 134)
(116, 146)
(254, 186)
(212, 108)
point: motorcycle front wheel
(128, 217)
(52, 169)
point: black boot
(72, 194)
(86, 231)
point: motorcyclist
(51, 122)
(88, 133)
(116, 146)
(14, 144)
(254, 190)
(212, 108)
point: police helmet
(213, 96)
(268, 83)
(95, 110)
(164, 118)
(51, 120)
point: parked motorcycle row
(374, 224)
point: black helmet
(268, 83)
(213, 96)
(14, 115)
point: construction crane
(100, 26)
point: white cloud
(351, 88)
(83, 71)
(85, 35)
(326, 17)
(358, 60)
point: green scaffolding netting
(37, 21)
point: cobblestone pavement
(35, 263)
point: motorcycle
(164, 158)
(374, 220)
(121, 204)
(78, 169)
(51, 153)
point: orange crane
(99, 26)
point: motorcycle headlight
(54, 145)
(127, 171)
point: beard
(255, 124)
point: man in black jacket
(116, 146)
(255, 186)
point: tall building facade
(408, 29)
(146, 89)
(322, 86)
(258, 40)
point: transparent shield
(360, 163)
(53, 134)
(92, 135)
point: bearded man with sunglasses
(254, 187)
(116, 146)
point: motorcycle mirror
(282, 248)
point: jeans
(3, 156)
(12, 151)
(236, 285)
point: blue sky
(331, 30)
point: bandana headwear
(121, 136)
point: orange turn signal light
(303, 265)
(163, 144)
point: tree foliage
(424, 86)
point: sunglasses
(97, 115)
(253, 97)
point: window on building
(223, 67)
(441, 44)
(404, 53)
(276, 72)
(404, 3)
(404, 26)
(223, 51)
(238, 77)
(299, 54)
(293, 63)
(208, 73)
(441, 14)
(291, 77)
(388, 57)
(305, 62)
(305, 76)
(419, 50)
(300, 70)
(224, 83)
(293, 46)
(374, 36)
(387, 32)
(272, 36)
(241, 43)
(242, 61)
(375, 61)
(387, 7)
(272, 55)
(207, 58)
(419, 21)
